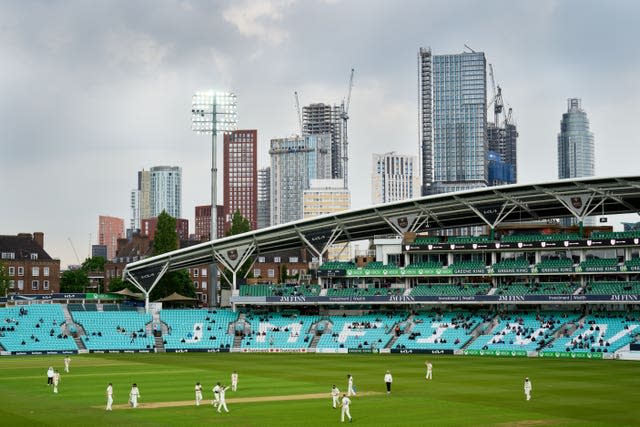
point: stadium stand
(35, 327)
(615, 234)
(468, 239)
(522, 331)
(510, 264)
(600, 333)
(424, 265)
(555, 237)
(554, 264)
(262, 290)
(198, 329)
(434, 331)
(464, 266)
(274, 330)
(427, 240)
(360, 332)
(537, 288)
(109, 330)
(598, 264)
(614, 288)
(337, 265)
(444, 289)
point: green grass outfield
(465, 391)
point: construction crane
(496, 101)
(344, 115)
(74, 251)
(298, 110)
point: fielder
(429, 366)
(345, 408)
(234, 381)
(388, 379)
(527, 388)
(198, 394)
(56, 381)
(109, 397)
(216, 395)
(350, 390)
(223, 403)
(67, 361)
(134, 395)
(335, 396)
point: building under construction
(318, 119)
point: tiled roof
(22, 246)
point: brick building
(203, 222)
(149, 226)
(240, 176)
(30, 268)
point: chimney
(38, 236)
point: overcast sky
(92, 92)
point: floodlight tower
(213, 112)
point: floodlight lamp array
(214, 112)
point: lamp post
(213, 112)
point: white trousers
(336, 401)
(109, 402)
(198, 398)
(429, 375)
(234, 386)
(345, 411)
(350, 392)
(223, 404)
(134, 401)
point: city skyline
(134, 76)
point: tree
(94, 264)
(4, 279)
(117, 284)
(166, 240)
(166, 237)
(74, 281)
(239, 225)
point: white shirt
(56, 378)
(50, 373)
(388, 378)
(428, 366)
(134, 392)
(527, 386)
(350, 381)
(234, 378)
(222, 391)
(335, 391)
(346, 401)
(198, 388)
(109, 391)
(217, 389)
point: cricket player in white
(527, 388)
(109, 397)
(350, 390)
(134, 395)
(198, 394)
(388, 379)
(223, 403)
(67, 361)
(234, 381)
(56, 380)
(335, 395)
(216, 395)
(345, 408)
(429, 370)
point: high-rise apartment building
(110, 229)
(141, 200)
(264, 197)
(318, 119)
(394, 177)
(575, 143)
(165, 191)
(150, 225)
(240, 176)
(203, 222)
(295, 161)
(325, 196)
(453, 121)
(502, 140)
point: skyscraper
(318, 119)
(295, 161)
(240, 176)
(110, 229)
(141, 200)
(165, 191)
(575, 143)
(394, 177)
(453, 120)
(203, 222)
(264, 197)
